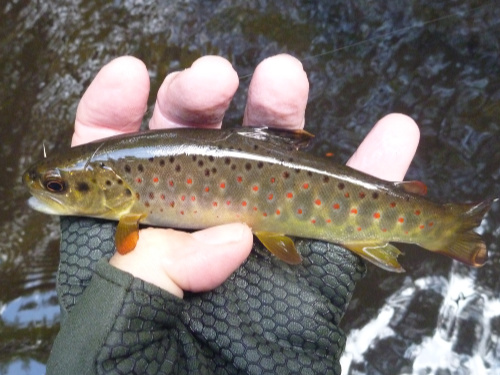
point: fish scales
(199, 178)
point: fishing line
(391, 33)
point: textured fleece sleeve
(267, 318)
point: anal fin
(280, 245)
(383, 255)
(127, 233)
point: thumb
(176, 261)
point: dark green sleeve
(267, 318)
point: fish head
(75, 186)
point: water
(445, 74)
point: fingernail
(221, 234)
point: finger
(388, 149)
(198, 96)
(277, 95)
(115, 101)
(177, 261)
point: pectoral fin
(127, 233)
(280, 245)
(383, 255)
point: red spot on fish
(422, 226)
(289, 195)
(328, 221)
(376, 215)
(362, 195)
(215, 204)
(346, 195)
(329, 154)
(393, 204)
(228, 203)
(384, 229)
(313, 221)
(172, 204)
(431, 224)
(162, 196)
(305, 186)
(406, 232)
(401, 220)
(207, 189)
(299, 211)
(182, 212)
(183, 198)
(255, 208)
(354, 211)
(417, 212)
(193, 198)
(244, 203)
(156, 179)
(239, 179)
(171, 183)
(336, 206)
(189, 181)
(278, 212)
(264, 214)
(273, 180)
(195, 212)
(359, 229)
(270, 197)
(255, 188)
(139, 180)
(317, 202)
(222, 185)
(146, 204)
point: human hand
(116, 101)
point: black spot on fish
(255, 147)
(233, 167)
(127, 168)
(207, 172)
(151, 160)
(211, 158)
(326, 179)
(297, 170)
(82, 187)
(309, 173)
(119, 181)
(286, 175)
(362, 195)
(171, 159)
(214, 170)
(108, 183)
(200, 163)
(102, 165)
(260, 164)
(290, 160)
(178, 168)
(140, 168)
(375, 195)
(128, 193)
(248, 166)
(194, 157)
(162, 163)
(151, 195)
(341, 186)
(227, 161)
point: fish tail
(464, 243)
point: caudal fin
(466, 245)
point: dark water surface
(437, 317)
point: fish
(197, 178)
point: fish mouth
(42, 206)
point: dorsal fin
(412, 187)
(298, 138)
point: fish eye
(54, 184)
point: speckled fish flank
(192, 178)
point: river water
(437, 61)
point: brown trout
(196, 178)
